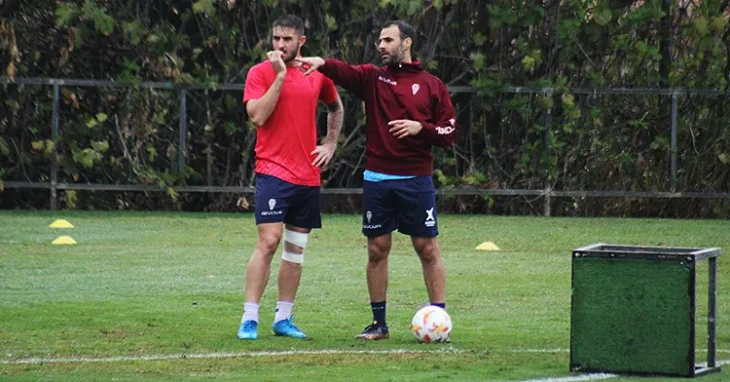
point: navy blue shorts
(408, 205)
(279, 201)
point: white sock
(283, 310)
(250, 312)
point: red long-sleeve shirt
(398, 91)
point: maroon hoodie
(398, 91)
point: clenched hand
(277, 62)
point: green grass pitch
(140, 290)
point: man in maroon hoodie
(408, 111)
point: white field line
(576, 378)
(600, 376)
(160, 357)
(556, 350)
(560, 350)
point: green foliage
(44, 147)
(101, 147)
(65, 13)
(572, 141)
(204, 6)
(70, 199)
(4, 149)
(103, 22)
(478, 60)
(330, 22)
(86, 157)
(602, 15)
(133, 31)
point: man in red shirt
(408, 111)
(282, 103)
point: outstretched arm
(351, 77)
(310, 64)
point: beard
(393, 58)
(290, 56)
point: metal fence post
(712, 313)
(54, 139)
(183, 132)
(673, 147)
(547, 189)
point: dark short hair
(406, 30)
(290, 22)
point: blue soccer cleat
(248, 330)
(287, 328)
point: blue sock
(441, 305)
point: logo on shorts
(430, 220)
(369, 216)
(271, 212)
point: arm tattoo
(335, 114)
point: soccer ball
(431, 324)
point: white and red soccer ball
(431, 324)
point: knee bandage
(300, 240)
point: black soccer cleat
(375, 331)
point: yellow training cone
(487, 246)
(60, 223)
(64, 240)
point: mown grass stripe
(162, 357)
(595, 376)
